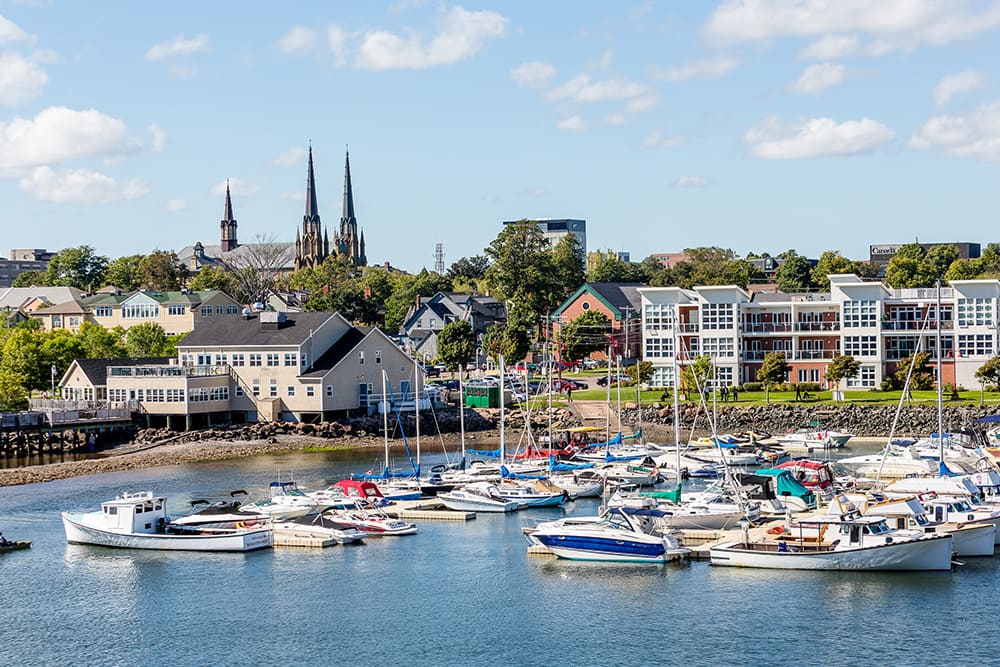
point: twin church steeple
(312, 245)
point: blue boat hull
(578, 547)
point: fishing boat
(318, 526)
(7, 545)
(477, 497)
(372, 520)
(618, 535)
(139, 521)
(846, 542)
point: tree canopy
(773, 371)
(590, 332)
(456, 344)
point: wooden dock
(425, 509)
(289, 538)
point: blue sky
(756, 125)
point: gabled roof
(187, 297)
(336, 353)
(96, 370)
(68, 308)
(15, 297)
(229, 331)
(618, 297)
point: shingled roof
(239, 331)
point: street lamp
(53, 380)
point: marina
(453, 574)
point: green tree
(939, 258)
(123, 272)
(212, 278)
(100, 343)
(639, 373)
(511, 343)
(13, 391)
(522, 271)
(773, 371)
(923, 374)
(30, 279)
(611, 269)
(964, 269)
(147, 340)
(22, 356)
(78, 267)
(589, 332)
(335, 285)
(988, 373)
(830, 263)
(60, 348)
(160, 270)
(841, 367)
(456, 344)
(568, 259)
(469, 268)
(697, 375)
(795, 274)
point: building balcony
(168, 371)
(916, 325)
(817, 326)
(813, 355)
(767, 328)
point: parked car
(590, 364)
(430, 371)
(522, 366)
(620, 378)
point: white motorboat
(894, 462)
(688, 466)
(540, 493)
(346, 492)
(317, 526)
(618, 535)
(579, 484)
(705, 511)
(139, 521)
(218, 515)
(809, 440)
(372, 520)
(847, 542)
(286, 501)
(477, 497)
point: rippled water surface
(454, 594)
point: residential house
(619, 302)
(428, 318)
(87, 379)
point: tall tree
(568, 259)
(841, 367)
(22, 355)
(160, 270)
(773, 371)
(988, 373)
(590, 332)
(795, 274)
(147, 340)
(123, 272)
(456, 344)
(611, 269)
(30, 279)
(78, 267)
(13, 391)
(832, 262)
(522, 273)
(212, 278)
(100, 343)
(255, 268)
(470, 268)
(696, 376)
(923, 374)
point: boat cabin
(808, 473)
(359, 489)
(135, 513)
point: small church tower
(311, 243)
(228, 225)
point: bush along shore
(861, 420)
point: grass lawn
(628, 394)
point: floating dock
(289, 538)
(426, 509)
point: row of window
(289, 390)
(151, 311)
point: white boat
(477, 497)
(539, 494)
(218, 515)
(286, 501)
(893, 462)
(372, 520)
(317, 526)
(704, 513)
(847, 542)
(618, 535)
(580, 484)
(139, 521)
(809, 440)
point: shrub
(887, 384)
(809, 386)
(752, 386)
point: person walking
(735, 393)
(725, 394)
(798, 392)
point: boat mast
(461, 415)
(607, 404)
(503, 371)
(618, 390)
(677, 386)
(940, 379)
(416, 409)
(385, 420)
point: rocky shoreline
(156, 447)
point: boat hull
(975, 540)
(78, 532)
(473, 505)
(606, 549)
(930, 553)
(15, 546)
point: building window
(255, 358)
(256, 387)
(329, 390)
(378, 357)
(232, 310)
(238, 390)
(860, 314)
(657, 316)
(302, 361)
(663, 376)
(975, 312)
(861, 346)
(206, 311)
(238, 359)
(719, 347)
(176, 309)
(273, 388)
(431, 324)
(361, 358)
(290, 358)
(291, 391)
(585, 305)
(864, 379)
(221, 360)
(975, 345)
(659, 347)
(103, 311)
(272, 359)
(140, 311)
(717, 316)
(219, 309)
(814, 375)
(310, 391)
(74, 321)
(56, 321)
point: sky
(756, 125)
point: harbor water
(454, 594)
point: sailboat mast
(385, 420)
(677, 388)
(940, 379)
(618, 390)
(607, 403)
(503, 444)
(461, 415)
(416, 409)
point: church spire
(348, 190)
(228, 224)
(312, 210)
(228, 215)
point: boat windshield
(877, 528)
(921, 519)
(960, 506)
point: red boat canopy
(359, 489)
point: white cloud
(581, 89)
(292, 196)
(176, 205)
(953, 84)
(709, 68)
(299, 39)
(975, 134)
(640, 104)
(533, 74)
(894, 24)
(817, 78)
(658, 139)
(461, 34)
(11, 32)
(236, 186)
(604, 61)
(58, 134)
(159, 137)
(692, 182)
(815, 137)
(832, 47)
(20, 80)
(336, 39)
(79, 186)
(617, 118)
(178, 46)
(573, 124)
(406, 5)
(291, 157)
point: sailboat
(393, 485)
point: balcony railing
(817, 326)
(798, 355)
(167, 371)
(770, 327)
(916, 325)
(812, 355)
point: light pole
(53, 380)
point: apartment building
(875, 324)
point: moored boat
(477, 497)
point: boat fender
(240, 524)
(776, 530)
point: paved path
(595, 413)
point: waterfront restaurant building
(875, 324)
(269, 366)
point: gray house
(428, 317)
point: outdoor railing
(817, 326)
(167, 371)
